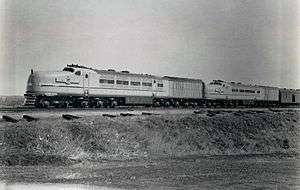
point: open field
(245, 172)
(207, 150)
(11, 101)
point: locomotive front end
(32, 89)
(43, 87)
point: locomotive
(80, 86)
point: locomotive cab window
(160, 85)
(86, 76)
(68, 69)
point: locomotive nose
(33, 81)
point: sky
(249, 41)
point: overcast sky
(254, 42)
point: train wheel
(156, 104)
(167, 104)
(66, 104)
(113, 104)
(176, 104)
(84, 104)
(99, 104)
(185, 104)
(44, 104)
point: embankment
(96, 138)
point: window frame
(135, 83)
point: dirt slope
(95, 138)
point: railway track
(21, 108)
(129, 108)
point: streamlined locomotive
(79, 86)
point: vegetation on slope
(96, 138)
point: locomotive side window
(86, 76)
(78, 73)
(102, 81)
(122, 82)
(160, 85)
(135, 83)
(110, 82)
(258, 92)
(249, 91)
(149, 84)
(241, 90)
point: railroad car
(183, 91)
(79, 86)
(224, 93)
(289, 97)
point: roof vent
(112, 70)
(124, 71)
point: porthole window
(78, 73)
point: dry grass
(96, 138)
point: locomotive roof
(126, 73)
(182, 79)
(110, 71)
(244, 85)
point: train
(81, 86)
